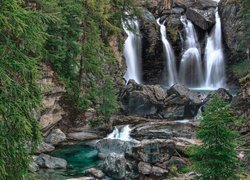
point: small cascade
(172, 77)
(214, 58)
(123, 134)
(190, 72)
(132, 50)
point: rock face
(152, 66)
(55, 137)
(52, 92)
(154, 151)
(46, 161)
(146, 100)
(154, 172)
(163, 130)
(115, 166)
(233, 29)
(241, 102)
(200, 12)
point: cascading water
(123, 134)
(214, 58)
(190, 72)
(172, 77)
(132, 50)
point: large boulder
(180, 103)
(96, 173)
(46, 161)
(149, 100)
(200, 12)
(107, 146)
(115, 166)
(142, 99)
(153, 151)
(82, 136)
(55, 137)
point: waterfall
(172, 77)
(123, 134)
(190, 72)
(214, 58)
(132, 50)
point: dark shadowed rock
(205, 19)
(46, 161)
(199, 4)
(115, 166)
(152, 171)
(176, 161)
(149, 100)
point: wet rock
(234, 31)
(107, 146)
(149, 100)
(82, 136)
(180, 103)
(115, 166)
(55, 137)
(152, 65)
(205, 19)
(44, 147)
(96, 173)
(153, 151)
(46, 161)
(222, 93)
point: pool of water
(79, 158)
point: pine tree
(216, 158)
(22, 35)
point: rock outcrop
(52, 93)
(147, 100)
(115, 166)
(55, 137)
(234, 29)
(46, 161)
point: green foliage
(241, 69)
(216, 157)
(22, 35)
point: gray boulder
(176, 161)
(44, 147)
(152, 100)
(153, 151)
(55, 137)
(96, 173)
(115, 166)
(107, 146)
(46, 161)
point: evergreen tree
(216, 158)
(22, 36)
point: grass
(241, 69)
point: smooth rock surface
(96, 173)
(55, 137)
(44, 147)
(82, 136)
(46, 161)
